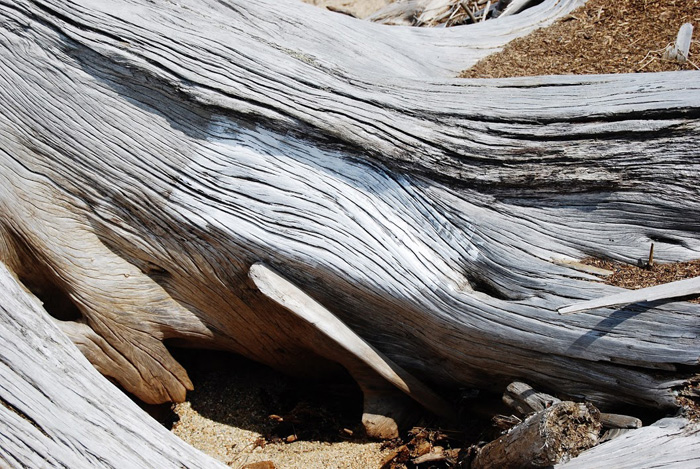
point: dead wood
(526, 400)
(670, 442)
(666, 291)
(619, 421)
(56, 410)
(147, 166)
(548, 437)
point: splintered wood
(462, 12)
(679, 51)
(647, 281)
(668, 291)
(548, 437)
(525, 400)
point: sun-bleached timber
(152, 152)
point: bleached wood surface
(151, 152)
(347, 347)
(671, 443)
(57, 411)
(666, 291)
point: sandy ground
(238, 447)
(228, 417)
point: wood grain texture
(669, 443)
(525, 400)
(345, 346)
(666, 291)
(56, 410)
(544, 439)
(159, 149)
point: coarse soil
(603, 36)
(634, 277)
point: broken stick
(670, 290)
(524, 399)
(679, 51)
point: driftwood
(377, 375)
(666, 291)
(679, 51)
(619, 421)
(548, 437)
(152, 152)
(526, 400)
(56, 410)
(669, 443)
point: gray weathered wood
(619, 421)
(516, 6)
(580, 266)
(57, 411)
(159, 149)
(546, 438)
(666, 291)
(669, 443)
(525, 400)
(679, 51)
(613, 433)
(339, 343)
